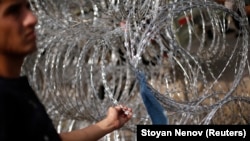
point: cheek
(4, 39)
(10, 40)
(13, 41)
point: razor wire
(88, 52)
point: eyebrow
(12, 6)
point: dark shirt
(22, 115)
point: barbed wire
(88, 52)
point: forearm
(91, 133)
(115, 119)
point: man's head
(17, 28)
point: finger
(127, 111)
(118, 107)
(121, 108)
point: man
(22, 116)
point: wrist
(106, 125)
